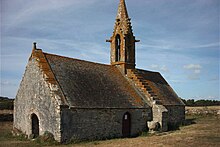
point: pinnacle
(122, 18)
(122, 11)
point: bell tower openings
(117, 48)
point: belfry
(123, 41)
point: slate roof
(92, 85)
(160, 87)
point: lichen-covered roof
(92, 85)
(160, 87)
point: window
(126, 116)
(126, 125)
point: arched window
(35, 125)
(117, 47)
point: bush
(46, 139)
(6, 103)
(192, 102)
(144, 134)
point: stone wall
(92, 124)
(6, 115)
(176, 115)
(35, 96)
(159, 113)
(205, 110)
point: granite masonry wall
(176, 115)
(36, 97)
(92, 124)
(160, 115)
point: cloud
(162, 68)
(209, 97)
(5, 83)
(195, 67)
(8, 87)
(176, 44)
(215, 79)
(215, 44)
(24, 10)
(176, 81)
(195, 70)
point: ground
(204, 132)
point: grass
(204, 132)
(8, 140)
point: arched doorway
(35, 125)
(126, 125)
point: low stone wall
(6, 115)
(206, 110)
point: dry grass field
(204, 132)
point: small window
(126, 116)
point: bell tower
(123, 41)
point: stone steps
(142, 85)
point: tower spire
(122, 18)
(122, 11)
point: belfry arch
(117, 48)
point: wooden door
(126, 125)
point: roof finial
(34, 46)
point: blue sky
(179, 38)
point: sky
(179, 38)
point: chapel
(83, 100)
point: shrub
(46, 139)
(6, 103)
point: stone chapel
(76, 99)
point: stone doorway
(126, 125)
(35, 125)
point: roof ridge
(65, 57)
(147, 70)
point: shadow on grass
(186, 122)
(189, 121)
